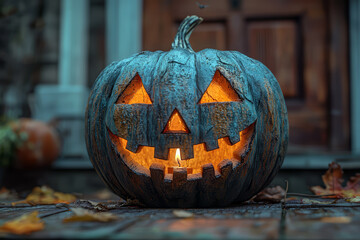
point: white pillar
(73, 42)
(354, 23)
(123, 28)
(67, 100)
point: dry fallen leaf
(354, 199)
(24, 224)
(312, 201)
(92, 205)
(84, 215)
(270, 194)
(105, 205)
(333, 181)
(182, 214)
(336, 219)
(6, 194)
(46, 195)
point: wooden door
(303, 42)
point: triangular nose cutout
(176, 124)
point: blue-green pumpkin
(223, 111)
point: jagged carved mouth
(144, 157)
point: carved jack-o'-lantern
(187, 129)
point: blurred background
(51, 52)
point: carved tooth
(208, 171)
(226, 167)
(161, 152)
(211, 145)
(132, 146)
(179, 176)
(157, 172)
(234, 138)
(187, 153)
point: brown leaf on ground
(83, 203)
(354, 183)
(6, 194)
(24, 224)
(333, 177)
(183, 214)
(84, 215)
(343, 219)
(354, 199)
(98, 206)
(105, 205)
(270, 194)
(312, 201)
(333, 181)
(45, 195)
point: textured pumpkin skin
(177, 79)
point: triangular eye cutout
(219, 90)
(176, 124)
(134, 93)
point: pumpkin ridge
(94, 143)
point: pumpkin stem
(183, 34)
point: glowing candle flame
(177, 156)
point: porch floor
(292, 220)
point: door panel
(209, 35)
(292, 39)
(274, 43)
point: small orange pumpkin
(41, 147)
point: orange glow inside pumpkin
(135, 93)
(145, 154)
(219, 90)
(176, 124)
